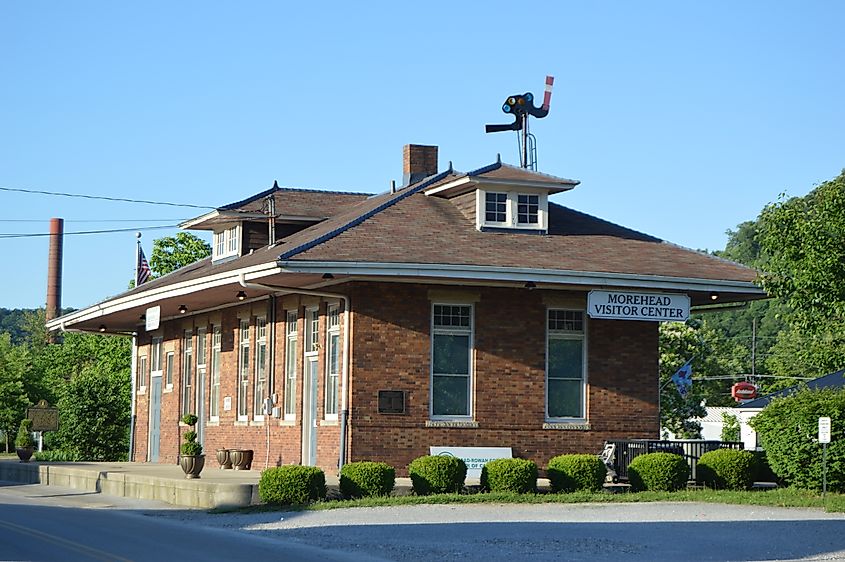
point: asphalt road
(50, 523)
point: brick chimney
(418, 161)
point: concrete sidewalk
(149, 481)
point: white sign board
(227, 403)
(623, 305)
(474, 457)
(824, 430)
(153, 316)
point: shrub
(727, 469)
(663, 472)
(762, 470)
(437, 474)
(571, 473)
(191, 446)
(24, 438)
(509, 475)
(366, 478)
(292, 485)
(56, 456)
(730, 428)
(788, 430)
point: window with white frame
(260, 391)
(243, 369)
(333, 360)
(451, 360)
(566, 365)
(512, 210)
(141, 373)
(168, 370)
(290, 365)
(201, 360)
(312, 333)
(188, 373)
(155, 356)
(226, 243)
(214, 399)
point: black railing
(691, 450)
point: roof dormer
(506, 197)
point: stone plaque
(44, 418)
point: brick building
(462, 309)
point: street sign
(824, 430)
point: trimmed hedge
(727, 469)
(437, 474)
(571, 473)
(662, 472)
(367, 478)
(509, 475)
(292, 485)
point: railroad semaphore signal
(521, 106)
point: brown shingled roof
(299, 202)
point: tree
(13, 397)
(174, 252)
(804, 242)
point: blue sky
(680, 119)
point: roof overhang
(701, 291)
(466, 184)
(122, 314)
(216, 218)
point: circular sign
(743, 391)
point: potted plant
(191, 460)
(24, 443)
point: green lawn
(779, 497)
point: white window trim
(142, 373)
(584, 370)
(511, 210)
(332, 331)
(218, 331)
(171, 357)
(157, 341)
(306, 336)
(187, 363)
(223, 238)
(243, 417)
(470, 359)
(290, 337)
(258, 412)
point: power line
(104, 198)
(39, 234)
(93, 220)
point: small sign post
(824, 439)
(44, 418)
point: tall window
(243, 370)
(566, 364)
(188, 373)
(332, 360)
(155, 363)
(201, 362)
(141, 373)
(214, 399)
(168, 370)
(260, 366)
(312, 333)
(451, 360)
(290, 366)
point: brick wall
(391, 342)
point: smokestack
(54, 271)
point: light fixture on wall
(241, 295)
(183, 309)
(328, 276)
(530, 285)
(714, 296)
(143, 318)
(102, 327)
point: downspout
(133, 374)
(344, 376)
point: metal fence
(691, 450)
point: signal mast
(521, 106)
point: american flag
(143, 268)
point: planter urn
(24, 453)
(192, 465)
(224, 459)
(241, 458)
